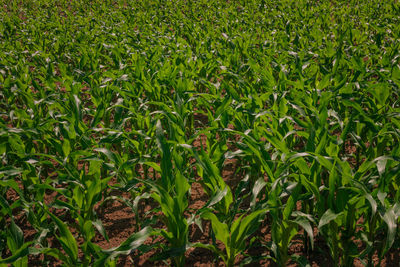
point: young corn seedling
(170, 191)
(286, 220)
(234, 236)
(212, 182)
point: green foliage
(285, 113)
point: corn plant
(234, 236)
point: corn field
(181, 133)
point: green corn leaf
(154, 165)
(66, 147)
(390, 219)
(306, 225)
(220, 229)
(396, 75)
(53, 252)
(212, 248)
(258, 186)
(333, 177)
(327, 217)
(5, 206)
(17, 144)
(130, 244)
(291, 203)
(99, 226)
(217, 197)
(66, 239)
(15, 237)
(166, 161)
(23, 251)
(242, 228)
(109, 154)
